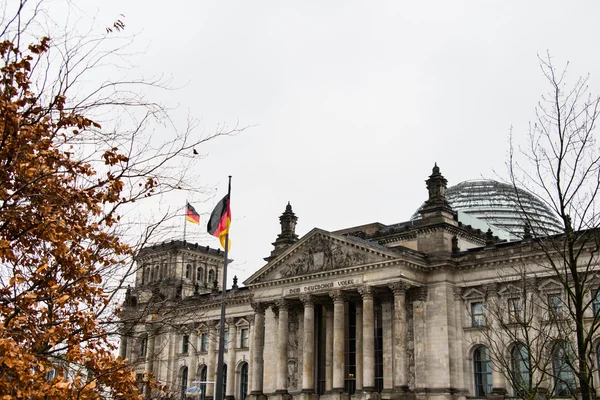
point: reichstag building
(368, 312)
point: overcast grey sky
(351, 102)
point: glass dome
(500, 206)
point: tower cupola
(288, 236)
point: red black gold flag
(218, 224)
(191, 215)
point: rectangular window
(185, 343)
(143, 347)
(515, 310)
(555, 306)
(244, 338)
(477, 317)
(596, 302)
(226, 340)
(204, 343)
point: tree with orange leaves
(63, 179)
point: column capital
(282, 304)
(249, 318)
(230, 321)
(258, 307)
(457, 292)
(399, 288)
(337, 296)
(366, 291)
(308, 300)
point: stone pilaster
(308, 362)
(194, 352)
(211, 367)
(149, 366)
(230, 387)
(283, 334)
(338, 340)
(400, 355)
(257, 352)
(368, 333)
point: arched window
(483, 371)
(521, 369)
(224, 380)
(211, 276)
(564, 378)
(183, 379)
(202, 378)
(188, 271)
(199, 273)
(244, 381)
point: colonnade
(335, 337)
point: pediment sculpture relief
(322, 255)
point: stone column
(258, 348)
(211, 367)
(328, 349)
(308, 361)
(149, 361)
(230, 387)
(368, 339)
(338, 340)
(400, 355)
(282, 340)
(250, 319)
(359, 347)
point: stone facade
(368, 312)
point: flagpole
(184, 219)
(219, 395)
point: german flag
(191, 215)
(220, 218)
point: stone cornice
(408, 234)
(345, 271)
(316, 233)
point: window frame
(555, 309)
(482, 371)
(204, 342)
(477, 319)
(185, 343)
(245, 339)
(515, 309)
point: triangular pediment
(321, 251)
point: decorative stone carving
(322, 255)
(282, 304)
(366, 291)
(457, 292)
(249, 318)
(259, 308)
(337, 295)
(307, 299)
(399, 288)
(230, 321)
